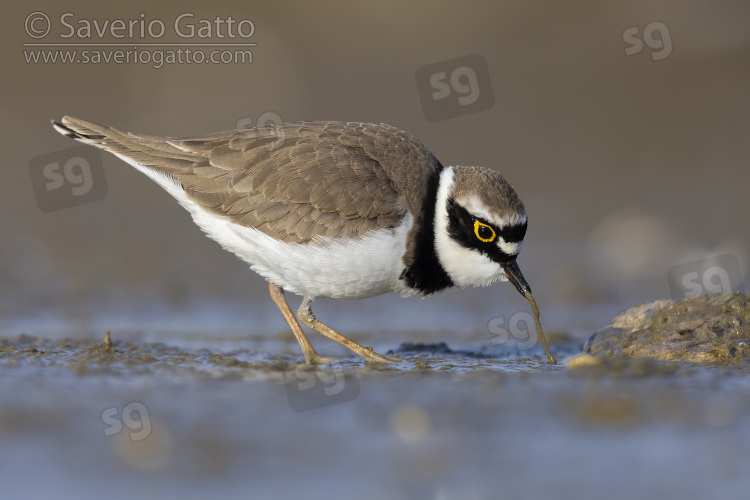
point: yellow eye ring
(488, 237)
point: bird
(345, 210)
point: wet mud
(449, 420)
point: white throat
(466, 267)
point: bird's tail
(152, 151)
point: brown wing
(293, 181)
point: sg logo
(308, 388)
(76, 171)
(67, 178)
(134, 416)
(661, 46)
(455, 88)
(273, 135)
(463, 81)
(720, 274)
(518, 330)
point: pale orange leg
(306, 316)
(311, 357)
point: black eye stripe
(514, 233)
(461, 229)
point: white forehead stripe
(474, 205)
(509, 248)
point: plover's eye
(484, 232)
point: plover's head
(480, 223)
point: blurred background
(623, 126)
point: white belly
(337, 268)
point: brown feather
(295, 181)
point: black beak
(514, 275)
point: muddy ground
(83, 418)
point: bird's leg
(306, 316)
(311, 357)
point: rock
(583, 360)
(712, 329)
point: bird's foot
(316, 359)
(306, 316)
(373, 357)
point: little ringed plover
(334, 209)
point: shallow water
(450, 420)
